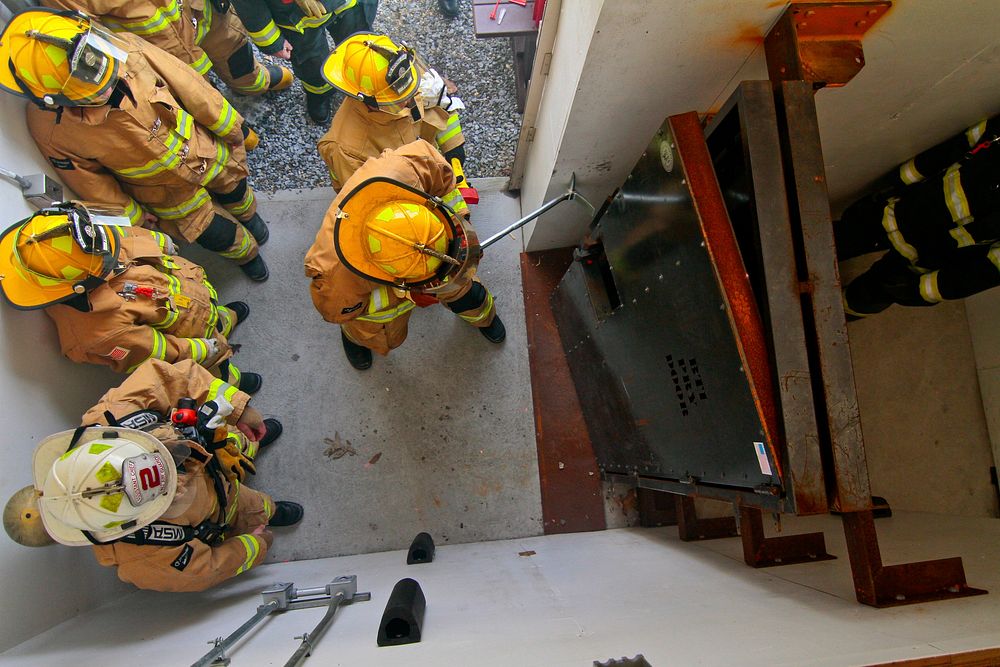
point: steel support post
(691, 528)
(761, 551)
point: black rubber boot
(273, 432)
(359, 355)
(449, 8)
(286, 513)
(256, 269)
(258, 228)
(320, 107)
(250, 383)
(496, 332)
(241, 308)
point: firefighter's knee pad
(234, 196)
(457, 151)
(241, 61)
(471, 299)
(219, 235)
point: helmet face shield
(60, 58)
(57, 253)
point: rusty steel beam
(761, 551)
(656, 508)
(881, 585)
(820, 42)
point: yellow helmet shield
(390, 233)
(373, 69)
(59, 58)
(57, 253)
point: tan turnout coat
(194, 566)
(122, 333)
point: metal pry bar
(570, 194)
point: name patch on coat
(344, 311)
(62, 163)
(182, 561)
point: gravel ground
(482, 69)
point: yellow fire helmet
(373, 69)
(56, 254)
(393, 234)
(101, 483)
(59, 58)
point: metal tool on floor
(285, 597)
(570, 194)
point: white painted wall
(41, 393)
(932, 70)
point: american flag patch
(117, 353)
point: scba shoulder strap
(163, 534)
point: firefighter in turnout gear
(154, 481)
(937, 222)
(118, 294)
(389, 242)
(298, 30)
(393, 98)
(132, 126)
(205, 34)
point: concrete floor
(567, 600)
(443, 427)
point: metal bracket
(570, 194)
(691, 528)
(820, 42)
(760, 551)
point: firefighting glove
(435, 92)
(234, 463)
(312, 8)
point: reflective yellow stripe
(455, 201)
(228, 319)
(929, 288)
(243, 205)
(213, 317)
(185, 122)
(849, 310)
(266, 36)
(202, 65)
(259, 83)
(169, 160)
(954, 194)
(307, 22)
(994, 256)
(226, 122)
(961, 236)
(133, 212)
(247, 446)
(217, 386)
(159, 350)
(452, 129)
(897, 240)
(487, 308)
(267, 508)
(221, 157)
(199, 349)
(252, 548)
(316, 90)
(172, 313)
(379, 299)
(181, 210)
(975, 133)
(908, 173)
(161, 240)
(234, 503)
(234, 375)
(388, 314)
(205, 24)
(240, 252)
(160, 19)
(344, 8)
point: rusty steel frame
(692, 528)
(820, 42)
(761, 551)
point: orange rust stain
(483, 489)
(437, 501)
(748, 34)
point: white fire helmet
(111, 482)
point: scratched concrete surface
(449, 413)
